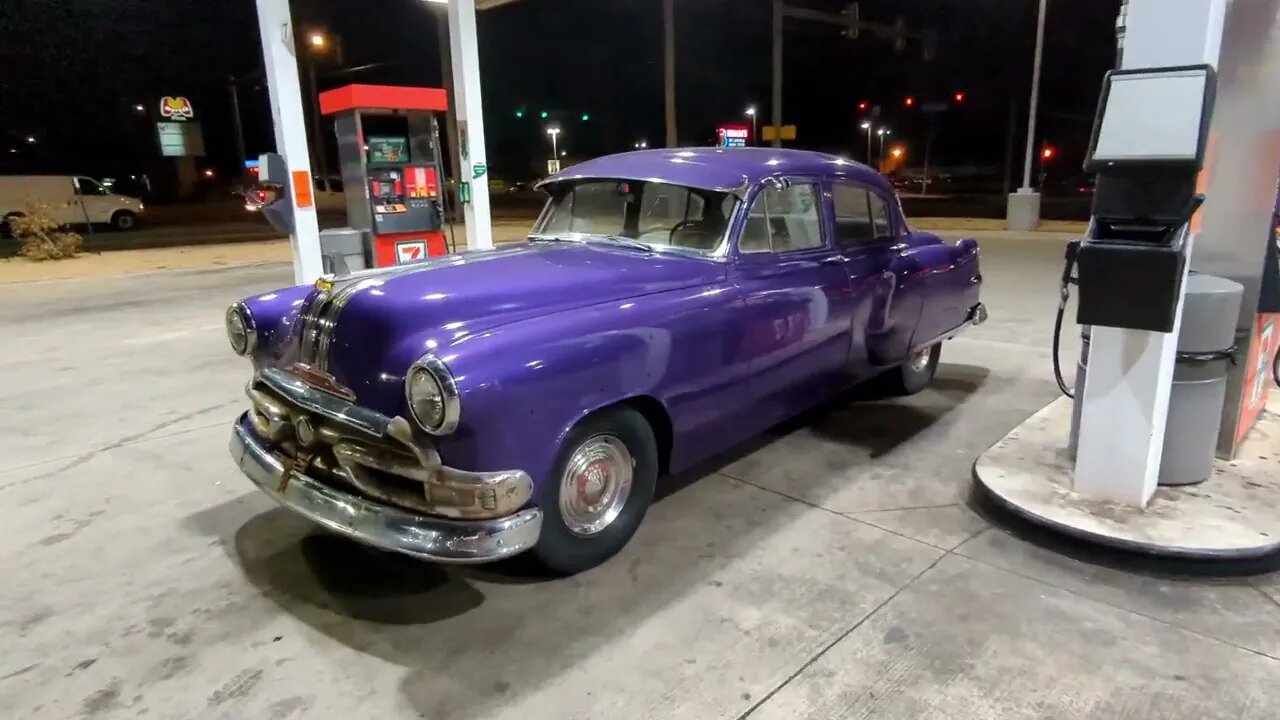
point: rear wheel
(917, 372)
(123, 220)
(602, 485)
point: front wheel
(123, 220)
(917, 372)
(603, 483)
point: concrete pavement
(831, 569)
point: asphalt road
(835, 568)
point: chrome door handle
(832, 260)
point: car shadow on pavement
(473, 639)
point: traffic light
(585, 117)
(520, 113)
(864, 105)
(543, 114)
(958, 97)
(1047, 152)
(909, 102)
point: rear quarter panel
(950, 280)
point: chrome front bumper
(382, 526)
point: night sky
(72, 70)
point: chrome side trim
(382, 526)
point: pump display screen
(388, 149)
(1153, 116)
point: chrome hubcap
(595, 485)
(919, 360)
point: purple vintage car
(668, 305)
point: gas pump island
(1138, 471)
(390, 154)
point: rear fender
(951, 280)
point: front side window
(88, 186)
(661, 216)
(782, 220)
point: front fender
(521, 391)
(523, 386)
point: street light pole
(669, 68)
(866, 127)
(751, 111)
(317, 141)
(1035, 96)
(235, 116)
(776, 101)
(554, 132)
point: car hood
(395, 317)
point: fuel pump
(1130, 265)
(1132, 260)
(390, 152)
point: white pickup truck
(74, 199)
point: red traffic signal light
(1047, 152)
(909, 101)
(958, 97)
(864, 105)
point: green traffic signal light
(585, 117)
(544, 114)
(519, 113)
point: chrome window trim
(448, 388)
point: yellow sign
(770, 132)
(176, 108)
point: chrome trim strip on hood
(320, 320)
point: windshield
(657, 215)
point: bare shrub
(40, 236)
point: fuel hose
(1064, 294)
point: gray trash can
(342, 250)
(1205, 350)
(1205, 342)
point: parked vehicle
(74, 200)
(668, 306)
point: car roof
(733, 170)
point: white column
(285, 91)
(464, 49)
(1126, 395)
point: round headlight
(432, 396)
(240, 331)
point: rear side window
(782, 220)
(880, 216)
(854, 224)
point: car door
(884, 306)
(797, 319)
(94, 204)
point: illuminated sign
(180, 139)
(176, 108)
(732, 135)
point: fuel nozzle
(1069, 262)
